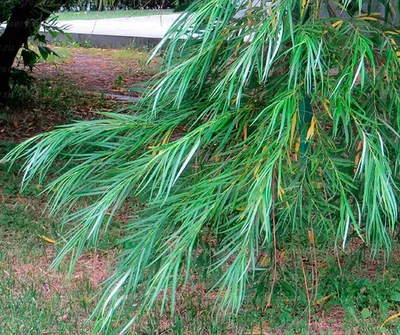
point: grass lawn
(316, 292)
(93, 15)
(33, 298)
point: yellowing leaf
(327, 108)
(311, 237)
(390, 318)
(237, 48)
(392, 8)
(281, 192)
(167, 135)
(272, 15)
(249, 13)
(357, 158)
(219, 46)
(391, 32)
(47, 239)
(255, 173)
(257, 331)
(304, 5)
(368, 18)
(222, 41)
(311, 130)
(337, 24)
(297, 146)
(320, 301)
(264, 260)
(292, 129)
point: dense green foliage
(269, 123)
(5, 9)
(24, 19)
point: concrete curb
(102, 41)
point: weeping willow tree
(269, 120)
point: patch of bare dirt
(99, 71)
(329, 322)
(95, 268)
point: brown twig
(315, 267)
(274, 275)
(307, 290)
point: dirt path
(109, 71)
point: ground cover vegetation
(267, 145)
(72, 84)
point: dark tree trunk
(25, 18)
